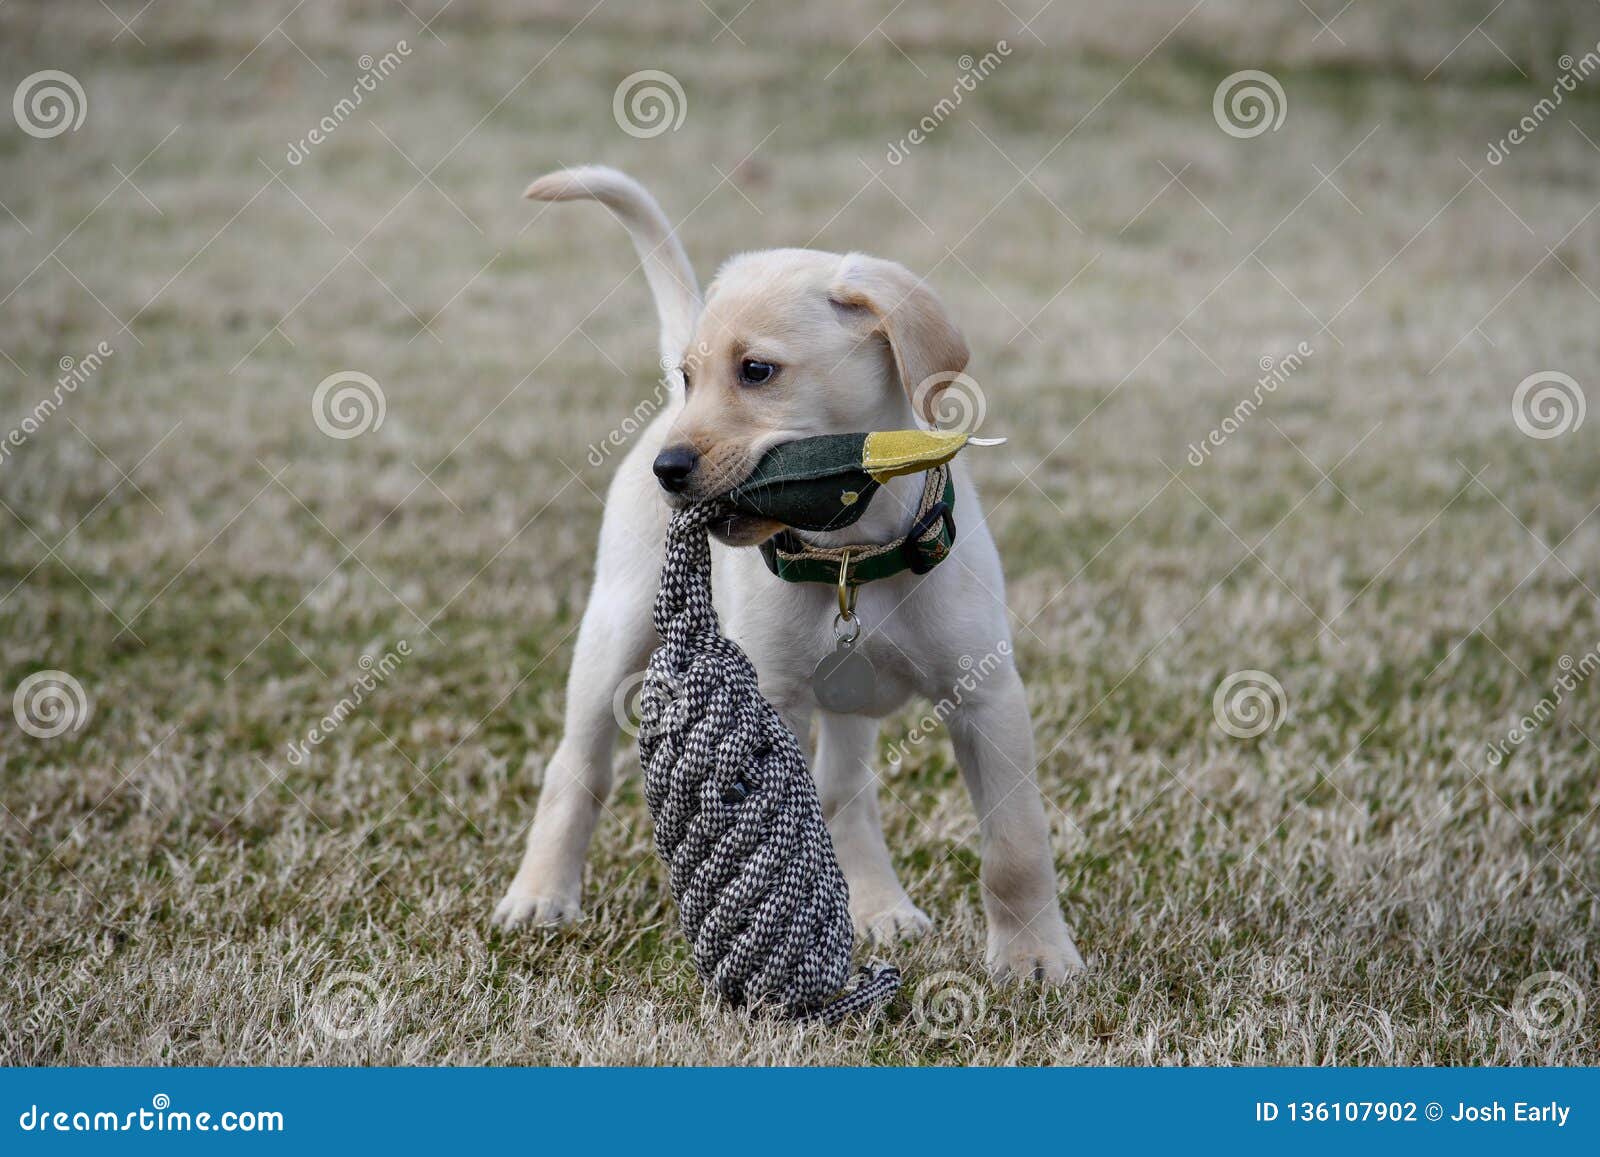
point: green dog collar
(922, 548)
(827, 482)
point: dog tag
(843, 681)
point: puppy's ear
(910, 318)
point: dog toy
(826, 482)
(737, 820)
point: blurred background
(1287, 309)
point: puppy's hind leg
(614, 642)
(994, 743)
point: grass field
(1368, 881)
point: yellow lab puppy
(791, 343)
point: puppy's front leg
(993, 739)
(879, 906)
(614, 642)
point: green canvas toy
(827, 482)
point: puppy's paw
(1048, 958)
(903, 921)
(517, 907)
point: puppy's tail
(666, 265)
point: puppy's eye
(754, 373)
(684, 370)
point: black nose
(674, 465)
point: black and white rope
(737, 820)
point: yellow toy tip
(890, 453)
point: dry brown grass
(1358, 886)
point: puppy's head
(793, 343)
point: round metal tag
(843, 681)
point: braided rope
(759, 892)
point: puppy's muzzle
(674, 465)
